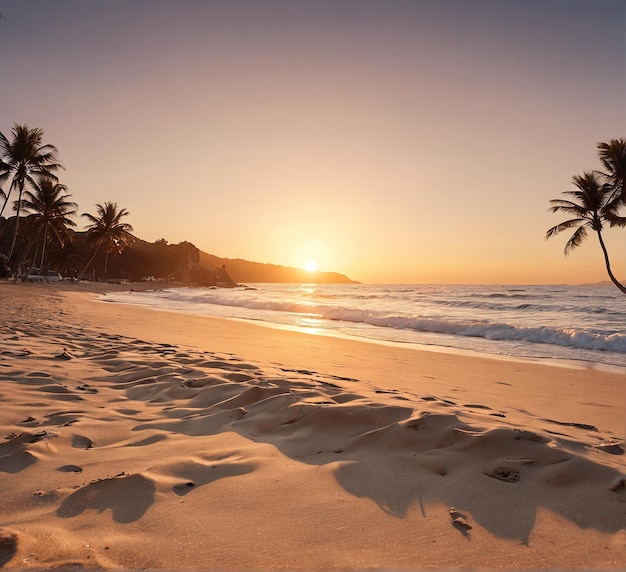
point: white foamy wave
(506, 332)
(274, 306)
(484, 329)
(253, 303)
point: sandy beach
(133, 438)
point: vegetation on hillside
(26, 160)
(107, 233)
(40, 233)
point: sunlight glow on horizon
(392, 142)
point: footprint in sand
(81, 442)
(16, 462)
(14, 454)
(612, 448)
(42, 374)
(8, 546)
(198, 472)
(128, 497)
(65, 355)
(506, 474)
(70, 469)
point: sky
(394, 141)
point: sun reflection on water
(312, 323)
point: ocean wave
(538, 306)
(501, 295)
(574, 337)
(487, 305)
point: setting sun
(310, 266)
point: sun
(310, 266)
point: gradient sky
(393, 141)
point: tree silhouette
(107, 232)
(67, 259)
(25, 158)
(613, 158)
(50, 212)
(593, 203)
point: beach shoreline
(379, 363)
(214, 443)
(529, 324)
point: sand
(133, 438)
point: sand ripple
(123, 425)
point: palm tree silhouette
(67, 259)
(50, 210)
(592, 204)
(613, 158)
(26, 158)
(107, 231)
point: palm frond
(576, 239)
(90, 217)
(614, 219)
(106, 229)
(568, 224)
(559, 205)
(593, 201)
(612, 155)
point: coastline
(386, 365)
(303, 451)
(536, 324)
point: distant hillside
(182, 262)
(248, 272)
(601, 283)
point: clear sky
(390, 140)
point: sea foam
(587, 319)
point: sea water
(584, 325)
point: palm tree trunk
(32, 263)
(17, 220)
(43, 248)
(80, 276)
(615, 281)
(25, 254)
(106, 265)
(6, 200)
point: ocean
(574, 325)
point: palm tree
(51, 210)
(25, 158)
(613, 158)
(107, 231)
(67, 259)
(592, 205)
(30, 229)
